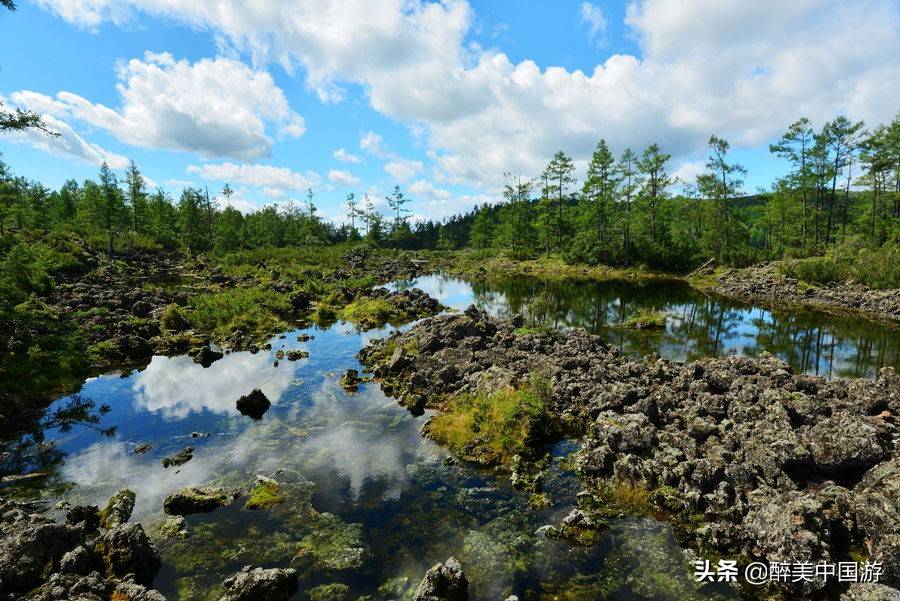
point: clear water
(697, 324)
(361, 458)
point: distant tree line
(844, 183)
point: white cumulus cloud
(345, 157)
(275, 182)
(214, 107)
(739, 69)
(342, 178)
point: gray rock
(118, 510)
(198, 499)
(846, 441)
(444, 582)
(127, 550)
(258, 584)
(870, 592)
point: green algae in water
(265, 494)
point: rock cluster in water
(763, 285)
(93, 555)
(764, 463)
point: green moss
(646, 320)
(533, 330)
(173, 319)
(330, 592)
(371, 312)
(539, 501)
(491, 428)
(265, 494)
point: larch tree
(721, 183)
(598, 186)
(795, 145)
(652, 165)
(629, 183)
(135, 187)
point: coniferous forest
(838, 206)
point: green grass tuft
(491, 428)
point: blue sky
(439, 98)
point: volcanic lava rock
(253, 405)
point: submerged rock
(444, 582)
(296, 355)
(201, 499)
(330, 592)
(143, 448)
(350, 380)
(253, 405)
(333, 547)
(179, 458)
(206, 356)
(257, 584)
(118, 510)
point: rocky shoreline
(764, 286)
(746, 458)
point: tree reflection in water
(697, 325)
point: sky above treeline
(441, 98)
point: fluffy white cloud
(373, 144)
(215, 107)
(342, 178)
(428, 191)
(403, 169)
(67, 143)
(739, 69)
(276, 182)
(593, 17)
(345, 157)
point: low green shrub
(491, 428)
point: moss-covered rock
(265, 493)
(118, 510)
(330, 592)
(198, 499)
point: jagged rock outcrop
(444, 582)
(78, 559)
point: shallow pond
(697, 324)
(370, 503)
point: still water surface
(397, 499)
